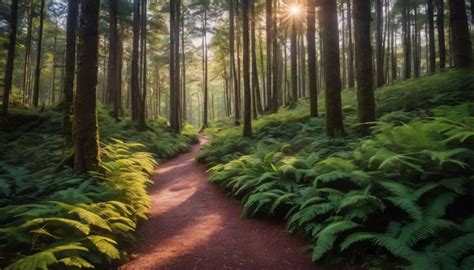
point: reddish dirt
(192, 225)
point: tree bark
(247, 131)
(135, 80)
(174, 66)
(441, 35)
(205, 123)
(143, 96)
(294, 63)
(253, 49)
(26, 68)
(365, 91)
(312, 67)
(350, 48)
(431, 36)
(406, 42)
(86, 134)
(329, 28)
(269, 39)
(11, 56)
(38, 57)
(379, 46)
(462, 47)
(233, 71)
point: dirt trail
(193, 225)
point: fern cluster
(52, 219)
(404, 193)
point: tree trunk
(269, 39)
(112, 61)
(118, 77)
(205, 123)
(183, 71)
(350, 48)
(416, 45)
(329, 28)
(135, 81)
(276, 79)
(379, 46)
(461, 41)
(406, 42)
(312, 68)
(38, 57)
(26, 68)
(255, 81)
(441, 35)
(143, 31)
(233, 71)
(294, 63)
(11, 56)
(431, 35)
(247, 132)
(174, 66)
(365, 91)
(86, 134)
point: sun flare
(295, 10)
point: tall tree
(135, 80)
(365, 91)
(26, 63)
(441, 35)
(205, 73)
(113, 82)
(329, 28)
(144, 67)
(312, 67)
(462, 47)
(86, 134)
(233, 71)
(11, 55)
(247, 131)
(406, 40)
(431, 37)
(269, 40)
(350, 48)
(294, 60)
(379, 41)
(175, 119)
(38, 57)
(255, 82)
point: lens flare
(295, 10)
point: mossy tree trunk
(294, 63)
(86, 134)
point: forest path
(192, 225)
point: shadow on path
(192, 225)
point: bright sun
(295, 10)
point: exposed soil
(193, 225)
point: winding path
(192, 225)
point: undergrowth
(402, 195)
(53, 219)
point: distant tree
(233, 71)
(350, 48)
(312, 67)
(462, 46)
(86, 134)
(247, 132)
(70, 68)
(114, 71)
(431, 37)
(379, 42)
(330, 33)
(38, 57)
(365, 91)
(255, 81)
(294, 59)
(11, 55)
(441, 38)
(269, 41)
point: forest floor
(193, 225)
